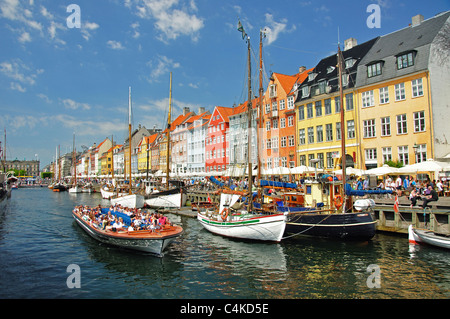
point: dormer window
(349, 63)
(312, 76)
(405, 60)
(305, 91)
(273, 90)
(374, 69)
(330, 69)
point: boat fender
(224, 214)
(338, 201)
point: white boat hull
(75, 189)
(130, 201)
(417, 236)
(177, 200)
(259, 227)
(106, 194)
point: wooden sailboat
(170, 198)
(325, 208)
(236, 216)
(129, 200)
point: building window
(322, 86)
(305, 91)
(368, 99)
(419, 121)
(371, 155)
(351, 129)
(349, 101)
(385, 126)
(274, 106)
(318, 108)
(267, 108)
(291, 140)
(400, 91)
(275, 123)
(290, 120)
(319, 130)
(283, 141)
(302, 160)
(301, 112)
(310, 157)
(282, 104)
(387, 154)
(369, 128)
(329, 159)
(417, 89)
(405, 60)
(403, 155)
(421, 154)
(384, 95)
(374, 69)
(329, 132)
(283, 122)
(268, 125)
(284, 162)
(273, 90)
(337, 104)
(401, 124)
(320, 158)
(290, 102)
(338, 131)
(301, 136)
(309, 110)
(310, 135)
(327, 104)
(275, 144)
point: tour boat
(417, 236)
(154, 242)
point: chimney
(185, 110)
(201, 110)
(302, 69)
(350, 43)
(416, 20)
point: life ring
(224, 214)
(338, 201)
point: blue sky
(56, 81)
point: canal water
(39, 240)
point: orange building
(278, 132)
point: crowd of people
(425, 190)
(136, 219)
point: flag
(241, 29)
(396, 204)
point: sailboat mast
(74, 162)
(129, 135)
(112, 157)
(261, 90)
(249, 135)
(168, 132)
(343, 160)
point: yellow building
(318, 128)
(145, 153)
(403, 94)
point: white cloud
(87, 127)
(87, 27)
(44, 97)
(17, 87)
(19, 72)
(115, 45)
(172, 19)
(12, 10)
(160, 66)
(25, 37)
(274, 28)
(71, 104)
